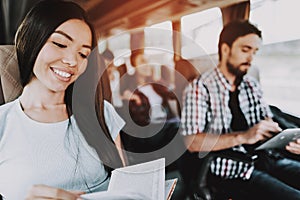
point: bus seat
(10, 83)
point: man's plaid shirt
(206, 109)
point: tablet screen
(280, 140)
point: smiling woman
(63, 57)
(47, 156)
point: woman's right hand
(39, 192)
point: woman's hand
(39, 192)
(294, 147)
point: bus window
(204, 28)
(278, 59)
(120, 46)
(160, 39)
(159, 51)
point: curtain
(236, 11)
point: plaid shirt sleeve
(195, 107)
(266, 111)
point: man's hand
(294, 147)
(261, 131)
(214, 142)
(38, 192)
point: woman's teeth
(61, 73)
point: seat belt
(1, 95)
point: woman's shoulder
(109, 111)
(108, 107)
(5, 111)
(112, 119)
(6, 108)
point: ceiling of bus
(111, 15)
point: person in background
(186, 72)
(224, 111)
(149, 100)
(43, 153)
(114, 78)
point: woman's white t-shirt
(52, 154)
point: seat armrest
(202, 190)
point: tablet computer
(280, 140)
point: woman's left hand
(294, 147)
(47, 192)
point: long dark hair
(37, 26)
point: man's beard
(234, 70)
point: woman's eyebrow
(70, 38)
(64, 34)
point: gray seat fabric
(9, 74)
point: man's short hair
(234, 30)
(134, 55)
